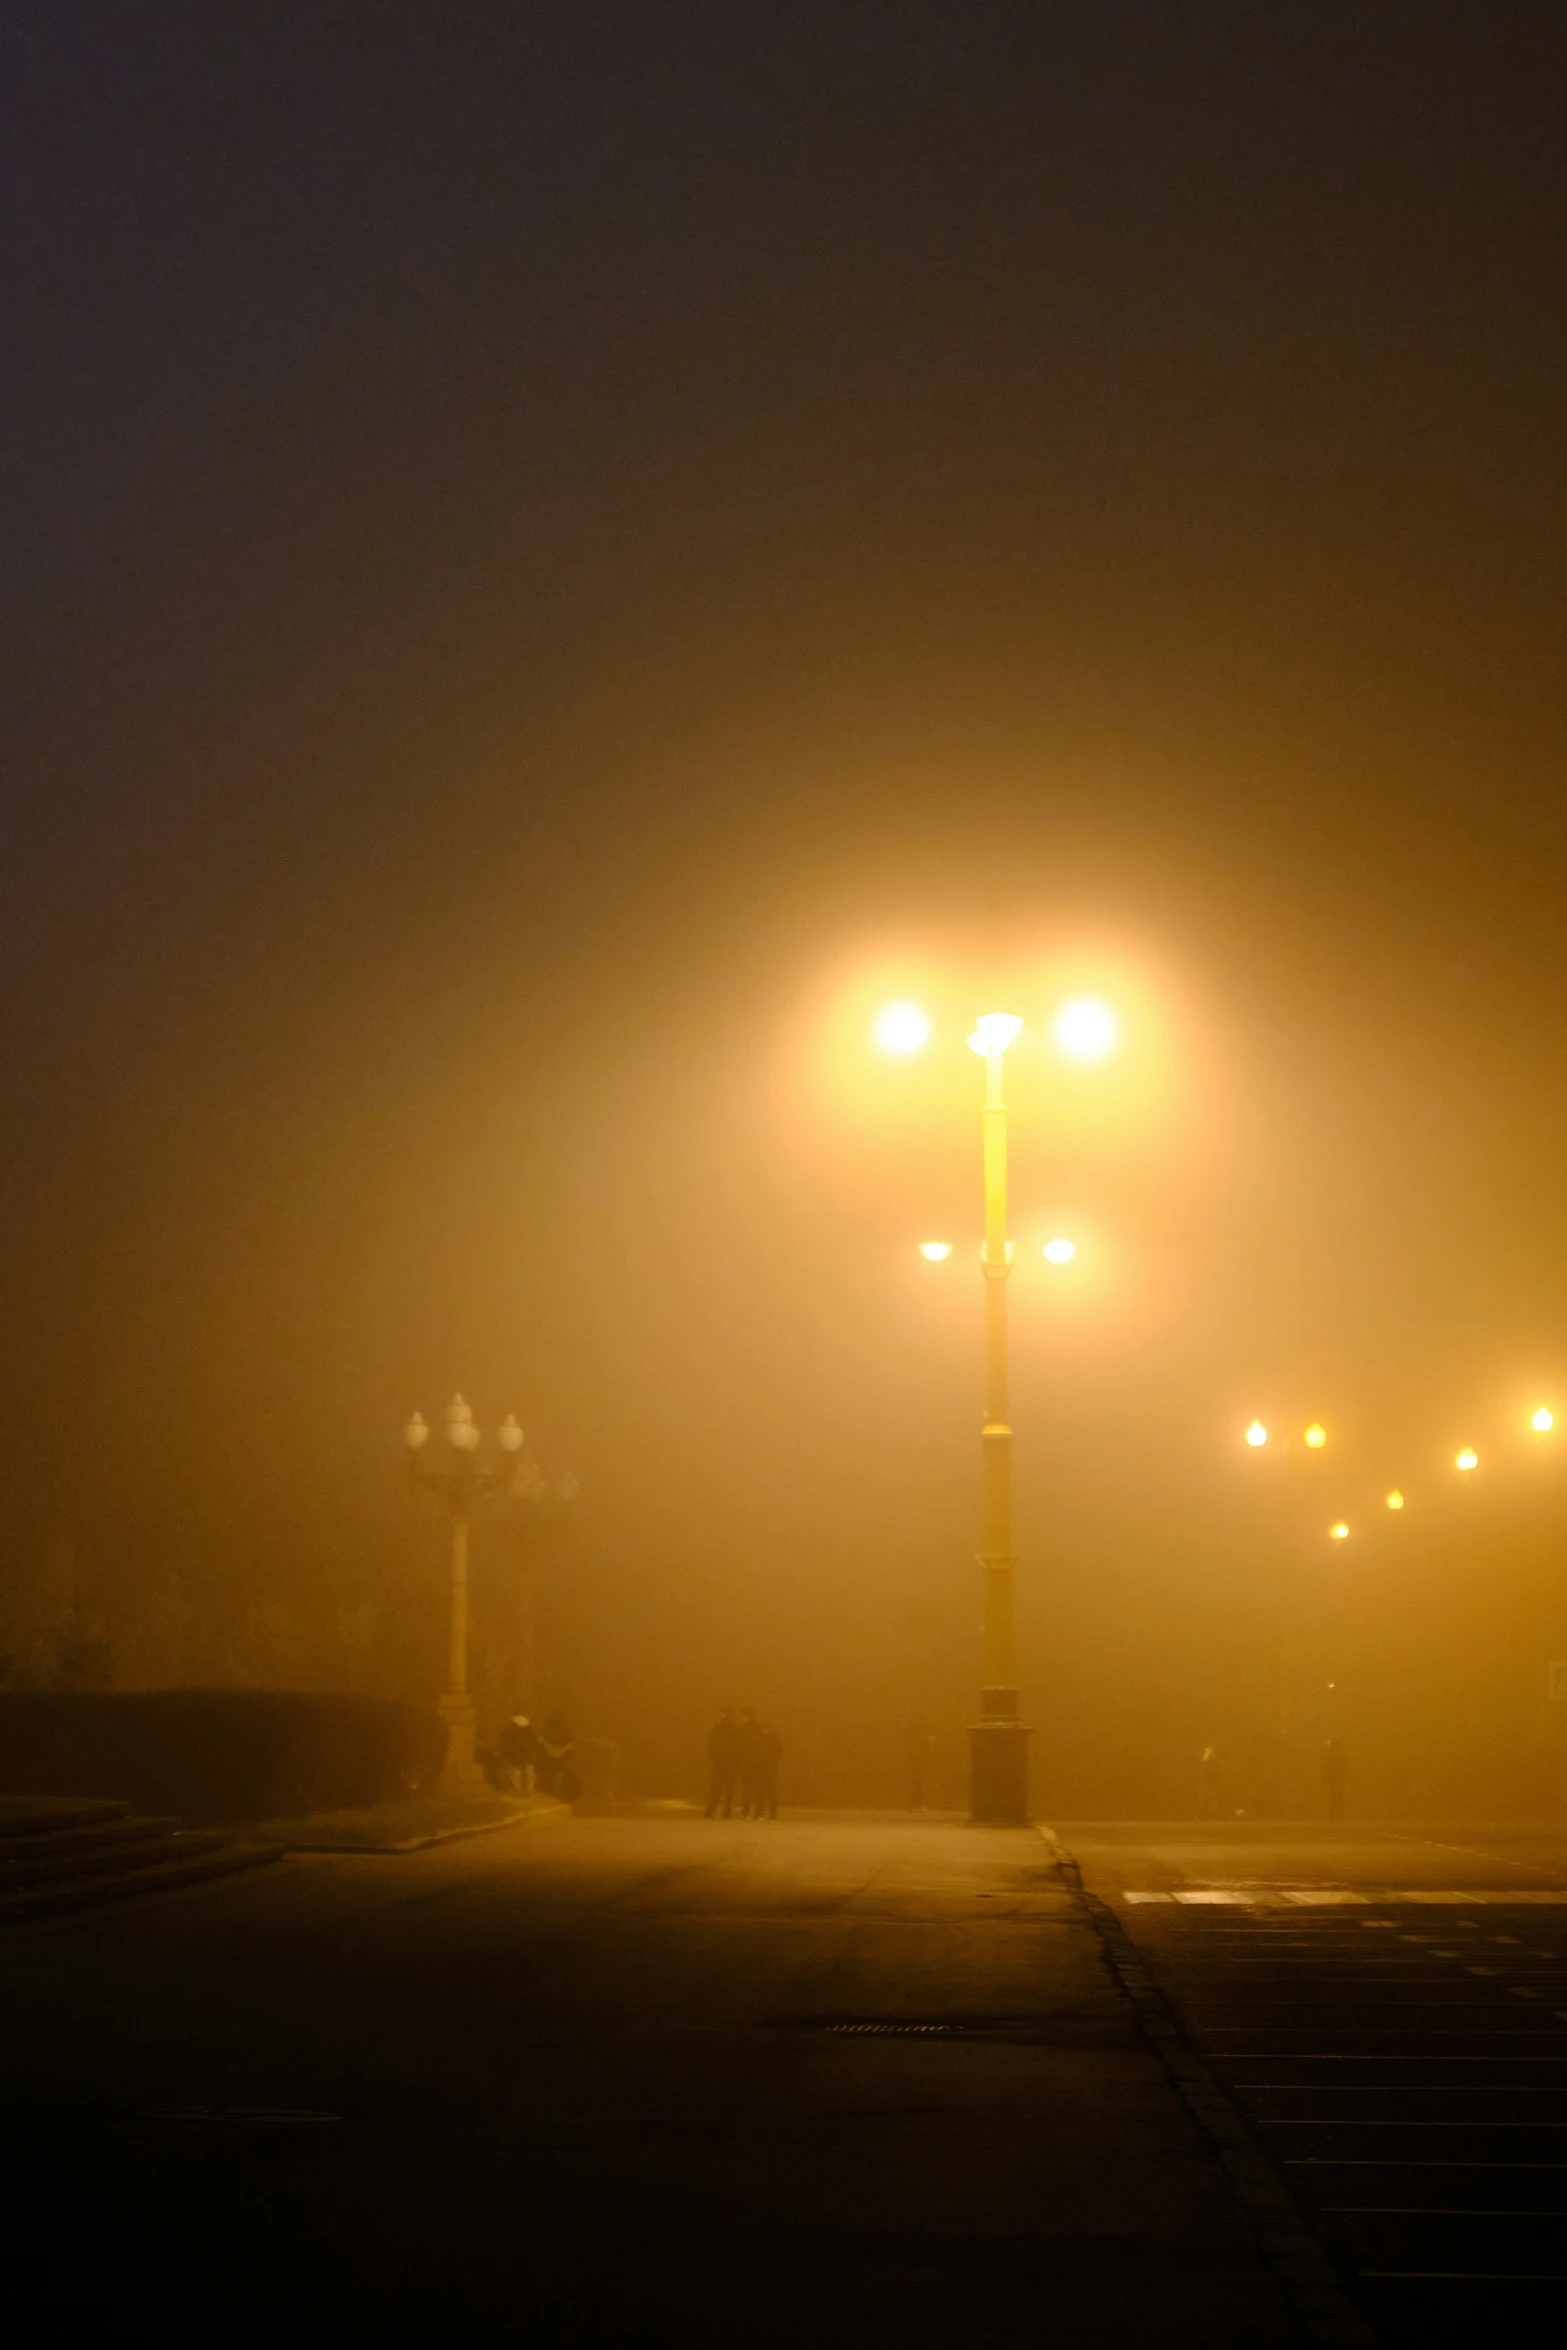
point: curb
(551, 1811)
(1321, 2309)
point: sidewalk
(843, 2082)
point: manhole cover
(901, 2027)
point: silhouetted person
(769, 1754)
(1210, 1785)
(920, 1746)
(519, 1752)
(723, 1758)
(555, 1768)
(1335, 1771)
(748, 1761)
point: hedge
(214, 1756)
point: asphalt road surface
(826, 2080)
(1389, 2012)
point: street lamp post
(1085, 1030)
(998, 1742)
(461, 1482)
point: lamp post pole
(998, 1742)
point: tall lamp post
(461, 1482)
(998, 1741)
(1085, 1030)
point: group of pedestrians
(542, 1759)
(743, 1757)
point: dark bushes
(216, 1755)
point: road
(828, 2079)
(1388, 2011)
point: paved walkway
(1388, 2009)
(816, 2081)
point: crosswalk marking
(1253, 1896)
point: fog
(536, 611)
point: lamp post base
(998, 1773)
(461, 1768)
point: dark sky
(547, 547)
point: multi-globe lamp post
(462, 1481)
(1085, 1030)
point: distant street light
(935, 1252)
(1316, 1436)
(461, 1482)
(1059, 1252)
(1085, 1030)
(1468, 1458)
(1338, 1533)
(1395, 1500)
(1542, 1421)
(1256, 1435)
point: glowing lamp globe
(900, 1029)
(1395, 1500)
(993, 1032)
(1316, 1436)
(1338, 1533)
(461, 1434)
(1542, 1420)
(935, 1252)
(1468, 1458)
(1256, 1435)
(1060, 1252)
(1087, 1029)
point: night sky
(553, 555)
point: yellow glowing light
(1338, 1533)
(1060, 1252)
(900, 1029)
(1087, 1029)
(1256, 1434)
(993, 1032)
(1316, 1436)
(935, 1252)
(1541, 1420)
(1395, 1500)
(1468, 1458)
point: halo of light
(1468, 1458)
(1338, 1533)
(1059, 1252)
(935, 1252)
(1256, 1434)
(1087, 1029)
(900, 1029)
(1316, 1436)
(1541, 1420)
(1395, 1500)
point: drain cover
(899, 2027)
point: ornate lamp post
(461, 1482)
